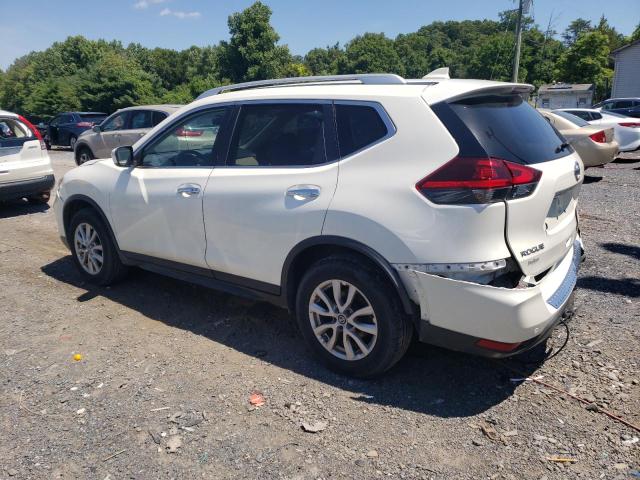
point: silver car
(123, 127)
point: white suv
(372, 207)
(25, 167)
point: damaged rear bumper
(457, 314)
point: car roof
(163, 108)
(432, 92)
(4, 113)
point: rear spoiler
(458, 89)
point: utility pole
(516, 60)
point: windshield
(507, 127)
(572, 118)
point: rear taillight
(36, 133)
(181, 132)
(599, 137)
(84, 124)
(630, 124)
(471, 180)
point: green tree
(587, 61)
(371, 53)
(324, 61)
(575, 29)
(116, 82)
(636, 34)
(253, 52)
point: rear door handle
(303, 192)
(189, 190)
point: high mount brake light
(34, 130)
(473, 180)
(599, 137)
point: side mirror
(97, 128)
(122, 156)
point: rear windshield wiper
(562, 146)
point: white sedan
(626, 130)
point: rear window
(572, 118)
(507, 127)
(158, 117)
(14, 133)
(358, 127)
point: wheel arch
(312, 249)
(77, 202)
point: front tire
(72, 141)
(93, 250)
(351, 318)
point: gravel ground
(167, 369)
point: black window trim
(330, 136)
(222, 137)
(382, 113)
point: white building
(565, 95)
(626, 76)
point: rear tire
(93, 250)
(72, 141)
(335, 330)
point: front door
(274, 190)
(157, 207)
(111, 131)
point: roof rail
(365, 78)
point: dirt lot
(163, 386)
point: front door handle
(303, 192)
(189, 190)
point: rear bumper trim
(24, 188)
(568, 284)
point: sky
(302, 24)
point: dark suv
(64, 129)
(624, 106)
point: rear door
(540, 227)
(273, 192)
(140, 122)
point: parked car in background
(629, 107)
(626, 130)
(124, 127)
(25, 167)
(64, 129)
(595, 145)
(444, 220)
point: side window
(358, 127)
(279, 135)
(10, 128)
(596, 116)
(582, 114)
(55, 122)
(607, 105)
(140, 119)
(117, 122)
(623, 104)
(189, 143)
(158, 117)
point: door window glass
(187, 144)
(607, 106)
(158, 117)
(282, 135)
(141, 119)
(358, 127)
(117, 122)
(623, 104)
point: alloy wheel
(88, 248)
(343, 320)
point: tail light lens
(84, 124)
(34, 130)
(473, 180)
(181, 132)
(599, 137)
(630, 124)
